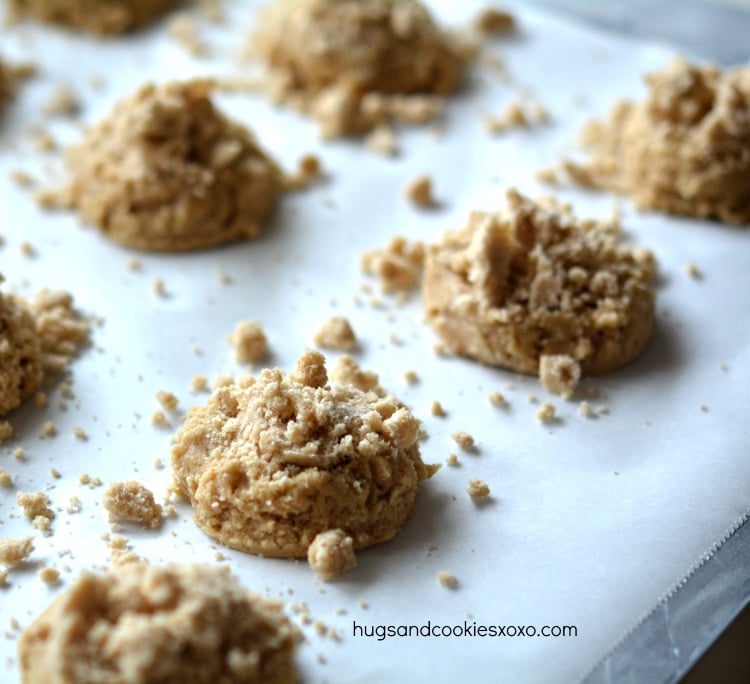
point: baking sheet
(590, 520)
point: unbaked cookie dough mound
(154, 625)
(351, 62)
(100, 17)
(271, 463)
(684, 149)
(167, 172)
(533, 280)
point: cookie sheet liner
(590, 521)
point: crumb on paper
(495, 21)
(331, 553)
(6, 480)
(546, 413)
(452, 460)
(64, 102)
(35, 505)
(525, 114)
(199, 383)
(160, 288)
(49, 575)
(464, 440)
(411, 377)
(447, 579)
(586, 410)
(249, 342)
(15, 551)
(692, 270)
(478, 489)
(80, 434)
(436, 409)
(132, 502)
(159, 418)
(168, 400)
(497, 399)
(336, 334)
(383, 141)
(419, 192)
(398, 266)
(48, 429)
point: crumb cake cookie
(683, 150)
(355, 64)
(100, 17)
(534, 280)
(152, 625)
(271, 463)
(36, 337)
(167, 172)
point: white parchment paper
(590, 520)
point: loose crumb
(336, 334)
(478, 489)
(55, 473)
(419, 192)
(559, 374)
(437, 409)
(692, 270)
(15, 551)
(80, 433)
(158, 418)
(411, 377)
(49, 575)
(168, 400)
(546, 412)
(585, 410)
(199, 383)
(464, 440)
(132, 502)
(452, 460)
(382, 140)
(447, 579)
(495, 21)
(5, 478)
(249, 342)
(159, 287)
(34, 505)
(48, 429)
(398, 266)
(497, 399)
(331, 553)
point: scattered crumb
(398, 266)
(184, 30)
(249, 342)
(160, 289)
(495, 21)
(419, 192)
(49, 575)
(80, 433)
(19, 454)
(168, 400)
(55, 473)
(382, 140)
(692, 270)
(478, 489)
(411, 377)
(158, 418)
(135, 265)
(48, 429)
(222, 381)
(15, 551)
(34, 505)
(63, 102)
(546, 412)
(336, 334)
(74, 505)
(199, 383)
(331, 553)
(452, 460)
(585, 410)
(464, 440)
(132, 502)
(6, 431)
(447, 579)
(5, 479)
(497, 399)
(437, 409)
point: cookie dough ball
(328, 55)
(534, 280)
(684, 149)
(21, 368)
(167, 172)
(271, 463)
(100, 17)
(153, 625)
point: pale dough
(138, 624)
(355, 64)
(534, 280)
(166, 171)
(270, 463)
(99, 17)
(682, 150)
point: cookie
(167, 172)
(682, 150)
(99, 17)
(151, 625)
(355, 64)
(534, 280)
(270, 463)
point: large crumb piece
(358, 64)
(269, 464)
(447, 579)
(99, 17)
(464, 440)
(15, 551)
(546, 412)
(331, 553)
(478, 489)
(166, 171)
(249, 342)
(132, 502)
(141, 624)
(419, 192)
(534, 280)
(398, 266)
(683, 149)
(35, 505)
(559, 374)
(49, 575)
(6, 480)
(337, 334)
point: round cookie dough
(153, 625)
(350, 62)
(167, 172)
(532, 281)
(20, 354)
(270, 463)
(683, 150)
(100, 17)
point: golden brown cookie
(152, 625)
(534, 280)
(270, 463)
(165, 171)
(100, 17)
(682, 150)
(355, 64)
